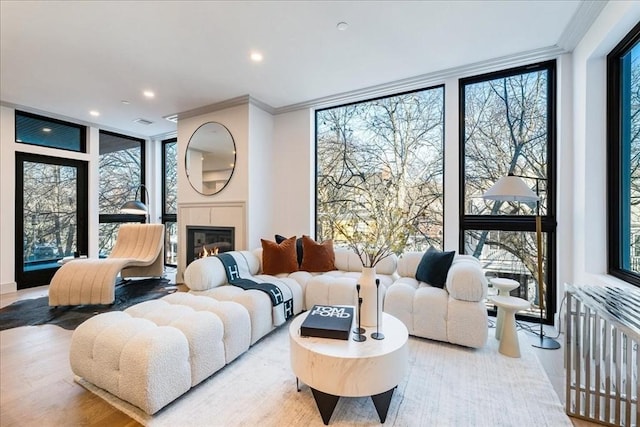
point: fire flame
(206, 253)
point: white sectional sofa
(197, 333)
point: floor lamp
(136, 207)
(512, 188)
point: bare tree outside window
(120, 171)
(380, 174)
(506, 131)
(50, 220)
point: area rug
(445, 385)
(36, 311)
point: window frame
(120, 218)
(615, 152)
(518, 222)
(167, 216)
(81, 128)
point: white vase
(371, 304)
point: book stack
(328, 321)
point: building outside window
(380, 171)
(623, 109)
(508, 127)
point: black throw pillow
(434, 266)
(280, 239)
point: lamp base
(546, 343)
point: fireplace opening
(208, 240)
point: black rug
(36, 311)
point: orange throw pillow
(279, 258)
(317, 257)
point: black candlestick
(377, 335)
(358, 330)
(359, 337)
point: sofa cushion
(317, 257)
(434, 266)
(279, 258)
(299, 250)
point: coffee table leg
(381, 402)
(326, 404)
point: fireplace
(205, 240)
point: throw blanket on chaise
(237, 269)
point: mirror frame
(186, 161)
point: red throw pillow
(317, 257)
(279, 258)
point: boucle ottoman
(155, 351)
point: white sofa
(454, 314)
(206, 276)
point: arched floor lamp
(136, 207)
(512, 188)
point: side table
(509, 345)
(504, 287)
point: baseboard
(7, 288)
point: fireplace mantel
(221, 214)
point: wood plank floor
(37, 387)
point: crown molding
(582, 19)
(218, 106)
(429, 79)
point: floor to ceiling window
(623, 109)
(507, 126)
(51, 198)
(380, 171)
(170, 199)
(121, 170)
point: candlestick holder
(359, 330)
(359, 337)
(377, 335)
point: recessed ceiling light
(256, 57)
(149, 94)
(94, 113)
(342, 26)
(47, 130)
(125, 102)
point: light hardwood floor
(37, 387)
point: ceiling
(67, 58)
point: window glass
(37, 130)
(170, 199)
(380, 171)
(624, 157)
(508, 121)
(121, 171)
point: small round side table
(509, 345)
(504, 287)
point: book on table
(328, 321)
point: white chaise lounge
(138, 252)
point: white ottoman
(155, 351)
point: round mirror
(210, 158)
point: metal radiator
(601, 354)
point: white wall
(293, 169)
(589, 242)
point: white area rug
(446, 385)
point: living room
(273, 186)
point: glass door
(51, 215)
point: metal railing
(601, 354)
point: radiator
(601, 354)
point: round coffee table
(335, 368)
(509, 345)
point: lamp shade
(512, 189)
(134, 207)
